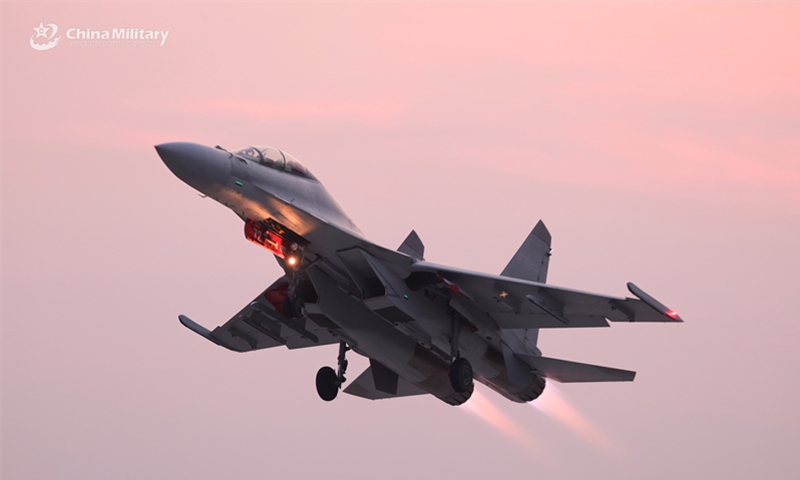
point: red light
(672, 314)
(454, 288)
(256, 233)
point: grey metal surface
(409, 316)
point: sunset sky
(658, 141)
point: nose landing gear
(328, 381)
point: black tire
(288, 308)
(299, 308)
(461, 375)
(327, 384)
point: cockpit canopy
(274, 158)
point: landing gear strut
(329, 381)
(460, 369)
(294, 307)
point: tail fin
(531, 260)
(412, 246)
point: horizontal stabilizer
(572, 372)
(364, 387)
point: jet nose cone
(204, 168)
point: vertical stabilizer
(531, 260)
(529, 263)
(412, 246)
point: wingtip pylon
(653, 303)
(197, 328)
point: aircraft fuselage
(360, 289)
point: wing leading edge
(260, 325)
(520, 304)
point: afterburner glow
(554, 405)
(481, 407)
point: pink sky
(658, 141)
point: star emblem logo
(42, 31)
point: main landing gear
(460, 369)
(328, 381)
(461, 375)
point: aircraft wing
(260, 325)
(519, 304)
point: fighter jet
(425, 328)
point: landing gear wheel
(461, 375)
(294, 308)
(299, 307)
(288, 308)
(327, 383)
